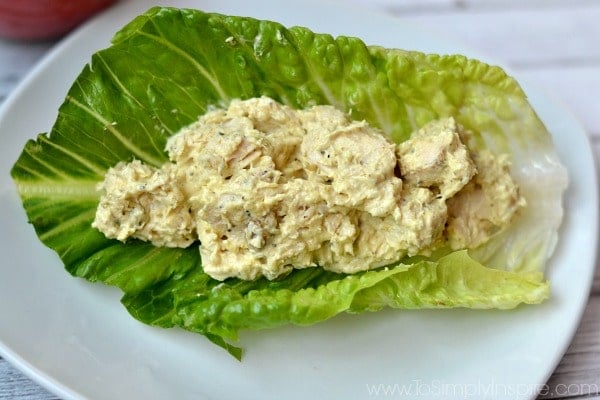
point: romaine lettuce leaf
(168, 66)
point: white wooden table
(554, 44)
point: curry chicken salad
(266, 188)
(247, 175)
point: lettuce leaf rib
(168, 66)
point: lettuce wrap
(169, 66)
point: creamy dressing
(266, 188)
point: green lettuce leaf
(168, 66)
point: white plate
(76, 339)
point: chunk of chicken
(144, 203)
(435, 158)
(485, 206)
(355, 159)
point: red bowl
(45, 19)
